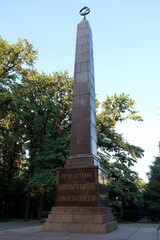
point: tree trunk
(27, 209)
(42, 205)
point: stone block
(82, 32)
(81, 77)
(75, 210)
(78, 163)
(51, 218)
(82, 67)
(62, 218)
(98, 210)
(105, 210)
(104, 218)
(109, 227)
(93, 210)
(72, 227)
(83, 24)
(84, 219)
(52, 227)
(81, 145)
(82, 49)
(94, 228)
(59, 210)
(82, 57)
(82, 40)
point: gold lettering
(77, 198)
(87, 186)
(66, 187)
(76, 186)
(84, 175)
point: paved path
(33, 231)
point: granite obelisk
(81, 203)
(83, 150)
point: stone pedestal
(80, 219)
(81, 200)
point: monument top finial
(84, 11)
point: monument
(81, 191)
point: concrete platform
(33, 231)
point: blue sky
(126, 41)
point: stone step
(81, 210)
(79, 218)
(80, 227)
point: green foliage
(43, 105)
(35, 121)
(118, 108)
(45, 178)
(116, 155)
(152, 193)
(16, 59)
(111, 144)
(125, 185)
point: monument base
(80, 220)
(81, 203)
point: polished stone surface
(83, 128)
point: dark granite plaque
(77, 187)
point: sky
(126, 45)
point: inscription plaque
(77, 187)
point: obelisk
(81, 203)
(83, 149)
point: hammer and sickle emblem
(84, 11)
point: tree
(16, 61)
(44, 104)
(152, 193)
(116, 155)
(111, 144)
(35, 122)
